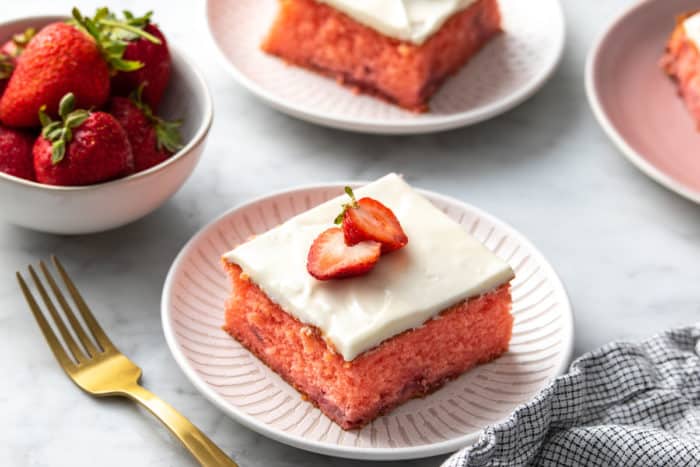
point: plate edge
(378, 454)
(632, 156)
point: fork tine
(67, 338)
(75, 324)
(85, 312)
(55, 345)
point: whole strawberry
(81, 148)
(16, 153)
(152, 139)
(9, 52)
(58, 60)
(145, 44)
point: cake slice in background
(358, 347)
(682, 61)
(399, 50)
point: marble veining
(626, 249)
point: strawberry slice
(368, 219)
(330, 258)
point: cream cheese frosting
(691, 25)
(407, 20)
(441, 266)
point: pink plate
(452, 417)
(637, 104)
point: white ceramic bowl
(95, 208)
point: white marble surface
(626, 248)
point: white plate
(509, 70)
(452, 417)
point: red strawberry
(145, 44)
(81, 149)
(152, 139)
(368, 219)
(9, 52)
(16, 153)
(60, 59)
(330, 258)
(155, 73)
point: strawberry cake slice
(388, 305)
(682, 61)
(399, 50)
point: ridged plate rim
(364, 453)
(395, 127)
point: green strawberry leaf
(66, 105)
(58, 151)
(120, 64)
(66, 134)
(101, 13)
(86, 23)
(60, 133)
(76, 118)
(54, 134)
(115, 49)
(113, 35)
(168, 135)
(135, 30)
(6, 66)
(141, 21)
(44, 117)
(22, 39)
(49, 129)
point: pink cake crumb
(353, 393)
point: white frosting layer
(441, 266)
(692, 29)
(406, 20)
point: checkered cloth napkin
(623, 404)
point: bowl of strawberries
(101, 120)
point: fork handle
(200, 446)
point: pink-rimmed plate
(452, 417)
(637, 104)
(510, 69)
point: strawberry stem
(351, 194)
(352, 204)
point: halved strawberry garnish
(368, 219)
(330, 258)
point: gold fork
(100, 369)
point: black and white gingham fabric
(623, 404)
